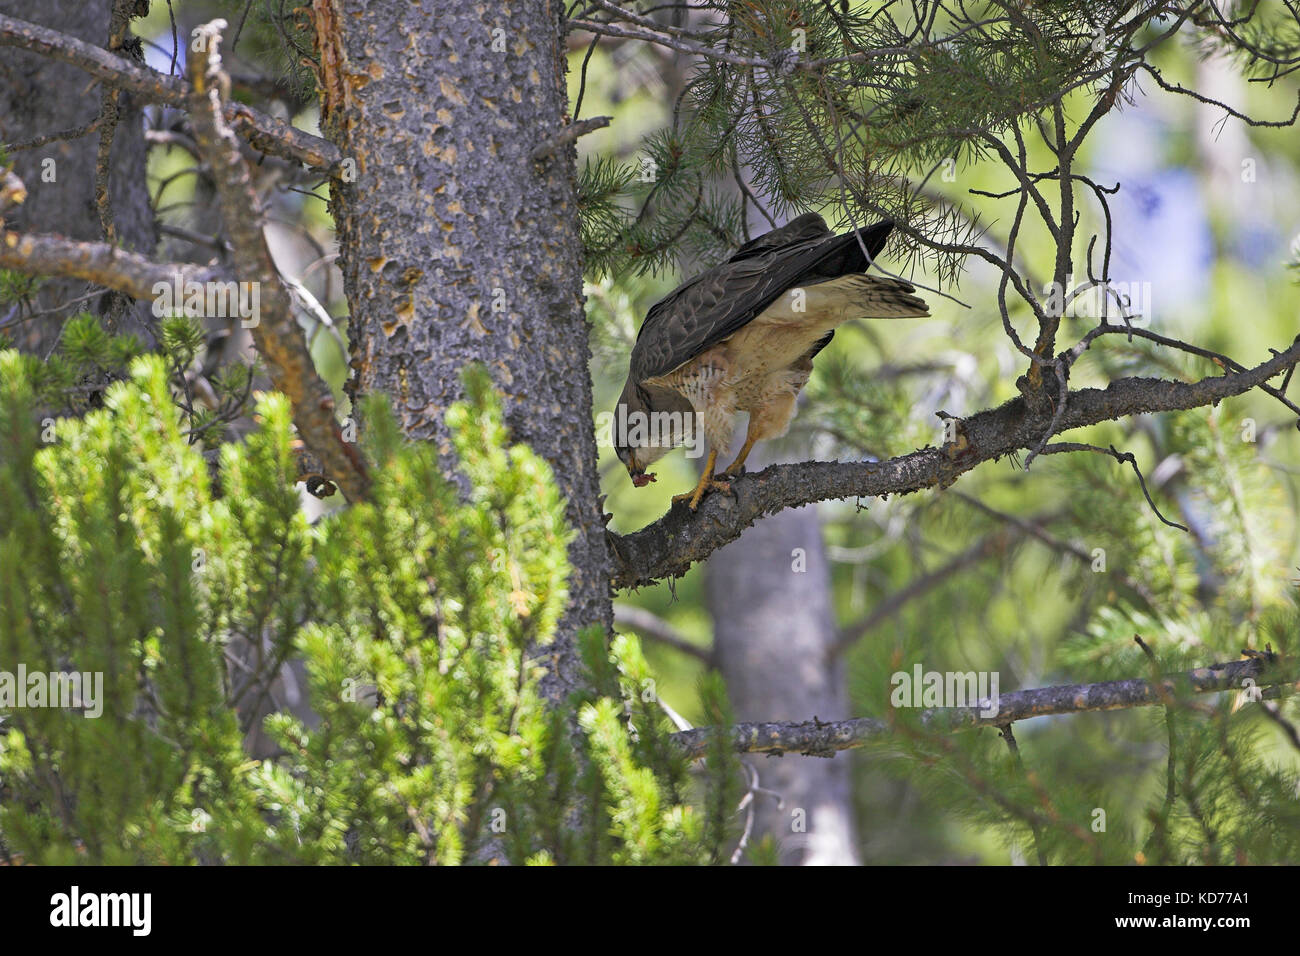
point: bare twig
(1123, 457)
(68, 134)
(1010, 738)
(569, 134)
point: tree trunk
(773, 626)
(457, 246)
(40, 96)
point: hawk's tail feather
(884, 298)
(843, 255)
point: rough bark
(458, 246)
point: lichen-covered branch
(101, 263)
(820, 738)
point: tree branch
(262, 131)
(568, 134)
(825, 738)
(276, 332)
(671, 545)
(101, 263)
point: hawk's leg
(738, 466)
(769, 419)
(753, 433)
(707, 483)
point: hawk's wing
(719, 302)
(797, 230)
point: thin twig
(1123, 457)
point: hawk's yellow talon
(707, 482)
(693, 498)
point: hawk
(741, 337)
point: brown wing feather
(800, 229)
(719, 302)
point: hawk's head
(635, 464)
(644, 433)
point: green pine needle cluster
(660, 211)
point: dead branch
(826, 738)
(98, 262)
(276, 334)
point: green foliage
(842, 106)
(74, 378)
(422, 619)
(640, 776)
(182, 337)
(98, 531)
(648, 215)
(16, 286)
(1211, 792)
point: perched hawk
(741, 338)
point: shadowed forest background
(1044, 576)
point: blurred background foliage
(1204, 225)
